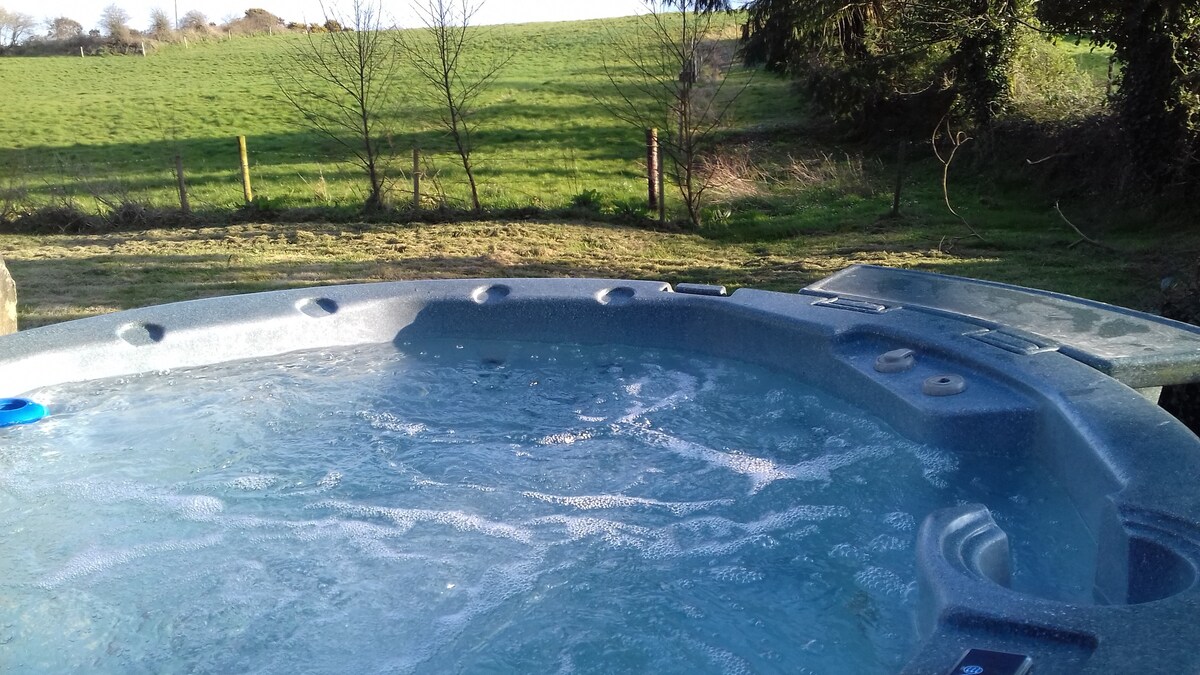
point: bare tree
(194, 22)
(341, 84)
(160, 25)
(438, 54)
(114, 21)
(673, 76)
(15, 27)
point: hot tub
(980, 369)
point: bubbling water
(443, 507)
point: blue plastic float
(15, 411)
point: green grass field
(792, 208)
(114, 124)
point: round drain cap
(944, 385)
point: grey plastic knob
(896, 361)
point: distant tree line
(22, 34)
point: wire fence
(211, 177)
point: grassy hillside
(113, 124)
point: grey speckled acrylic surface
(1138, 349)
(1130, 469)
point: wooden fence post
(8, 301)
(652, 160)
(416, 174)
(183, 196)
(247, 190)
(900, 160)
(662, 187)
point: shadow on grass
(116, 168)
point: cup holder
(1156, 572)
(1146, 558)
(1140, 560)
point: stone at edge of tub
(8, 301)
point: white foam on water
(797, 514)
(371, 539)
(822, 468)
(478, 488)
(191, 507)
(903, 522)
(736, 575)
(850, 551)
(95, 560)
(760, 470)
(721, 660)
(406, 519)
(685, 386)
(883, 581)
(592, 502)
(423, 482)
(201, 507)
(723, 537)
(386, 421)
(566, 437)
(499, 583)
(699, 537)
(936, 464)
(650, 541)
(713, 376)
(887, 542)
(802, 532)
(251, 483)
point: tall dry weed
(733, 173)
(847, 175)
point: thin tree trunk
(376, 199)
(471, 179)
(464, 155)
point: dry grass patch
(64, 277)
(844, 175)
(67, 276)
